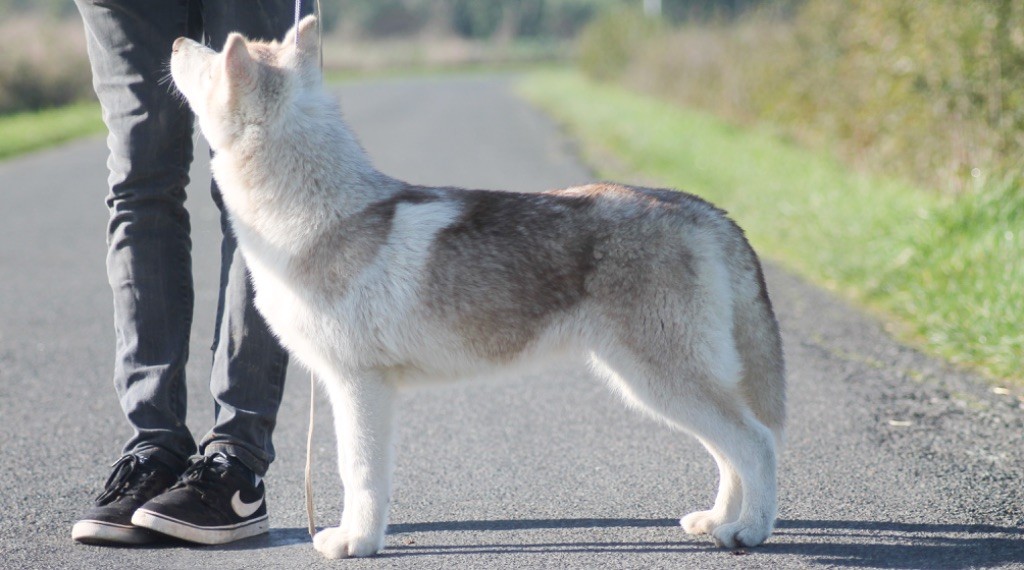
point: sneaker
(135, 479)
(217, 500)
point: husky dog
(375, 284)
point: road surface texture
(894, 460)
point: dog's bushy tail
(759, 342)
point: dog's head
(246, 85)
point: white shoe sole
(203, 535)
(102, 532)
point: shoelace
(119, 478)
(203, 473)
(200, 469)
(120, 483)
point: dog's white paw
(738, 534)
(703, 522)
(336, 542)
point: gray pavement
(894, 460)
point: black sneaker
(217, 500)
(135, 479)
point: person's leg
(249, 365)
(149, 248)
(149, 263)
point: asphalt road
(894, 460)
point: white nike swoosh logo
(243, 509)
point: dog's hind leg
(363, 419)
(749, 447)
(727, 504)
(693, 398)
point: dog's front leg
(363, 419)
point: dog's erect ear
(309, 40)
(238, 64)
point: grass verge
(24, 132)
(947, 272)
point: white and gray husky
(375, 284)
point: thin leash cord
(309, 457)
(312, 380)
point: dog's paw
(739, 534)
(336, 542)
(703, 522)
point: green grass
(24, 132)
(949, 272)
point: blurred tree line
(473, 19)
(45, 65)
(484, 19)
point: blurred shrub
(395, 18)
(927, 90)
(44, 64)
(609, 44)
(566, 18)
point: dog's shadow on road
(878, 544)
(407, 545)
(866, 544)
(888, 544)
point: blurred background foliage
(45, 64)
(478, 19)
(927, 90)
(42, 56)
